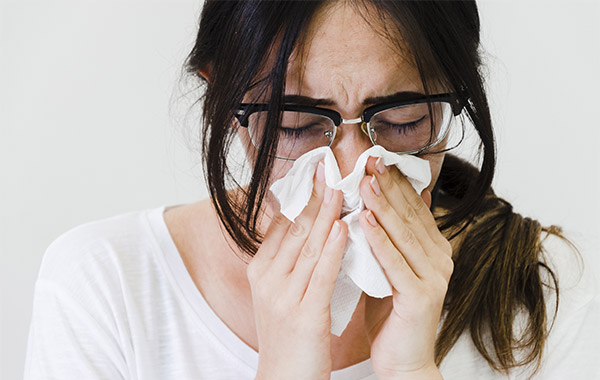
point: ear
(205, 72)
(426, 195)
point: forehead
(345, 58)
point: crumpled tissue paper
(360, 271)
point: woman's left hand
(417, 261)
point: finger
(418, 204)
(322, 281)
(406, 232)
(402, 236)
(402, 195)
(394, 264)
(298, 232)
(313, 247)
(278, 228)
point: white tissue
(360, 270)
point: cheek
(435, 165)
(280, 168)
(249, 149)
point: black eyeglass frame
(244, 111)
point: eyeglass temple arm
(240, 114)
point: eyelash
(406, 127)
(402, 128)
(295, 132)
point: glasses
(407, 126)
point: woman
(229, 288)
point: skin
(280, 301)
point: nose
(350, 141)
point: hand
(292, 277)
(417, 261)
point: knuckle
(381, 207)
(398, 260)
(280, 220)
(315, 194)
(376, 235)
(379, 236)
(408, 236)
(385, 206)
(420, 206)
(408, 215)
(387, 181)
(309, 250)
(298, 229)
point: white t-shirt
(114, 301)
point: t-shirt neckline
(174, 265)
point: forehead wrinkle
(330, 64)
(342, 85)
(345, 89)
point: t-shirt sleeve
(71, 336)
(67, 342)
(572, 350)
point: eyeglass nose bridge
(364, 126)
(352, 121)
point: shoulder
(93, 280)
(97, 249)
(573, 271)
(571, 349)
(570, 280)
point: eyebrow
(301, 100)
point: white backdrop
(90, 123)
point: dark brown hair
(497, 265)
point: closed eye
(296, 131)
(403, 128)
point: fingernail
(380, 166)
(371, 219)
(328, 194)
(375, 186)
(335, 231)
(321, 172)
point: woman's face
(346, 62)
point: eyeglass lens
(401, 129)
(412, 127)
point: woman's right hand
(292, 277)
